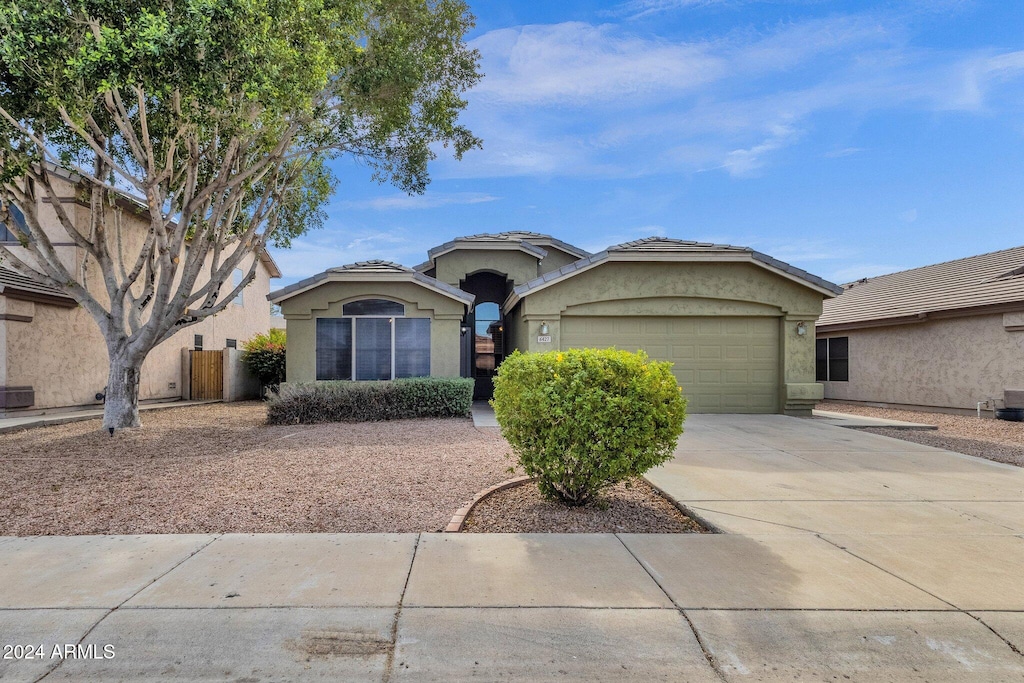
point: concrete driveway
(847, 556)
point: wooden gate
(207, 375)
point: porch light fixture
(801, 328)
(544, 328)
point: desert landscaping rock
(631, 507)
(984, 437)
(219, 469)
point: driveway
(847, 556)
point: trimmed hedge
(583, 419)
(346, 401)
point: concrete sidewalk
(848, 556)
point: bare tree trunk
(121, 410)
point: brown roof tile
(984, 280)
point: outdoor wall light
(544, 328)
(801, 328)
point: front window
(488, 340)
(372, 341)
(18, 218)
(832, 359)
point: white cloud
(635, 9)
(573, 64)
(596, 100)
(423, 201)
(843, 152)
(908, 216)
(315, 252)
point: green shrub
(346, 401)
(265, 357)
(583, 419)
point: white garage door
(725, 365)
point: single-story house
(52, 355)
(738, 324)
(946, 336)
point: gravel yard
(997, 440)
(217, 468)
(632, 506)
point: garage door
(725, 365)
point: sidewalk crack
(708, 655)
(122, 603)
(959, 609)
(389, 663)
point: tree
(265, 358)
(220, 117)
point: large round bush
(583, 419)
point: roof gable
(370, 271)
(670, 249)
(984, 280)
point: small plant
(265, 358)
(345, 401)
(583, 419)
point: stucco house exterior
(738, 324)
(52, 355)
(945, 336)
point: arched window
(373, 340)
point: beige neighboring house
(946, 336)
(52, 355)
(737, 324)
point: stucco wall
(327, 300)
(686, 289)
(454, 266)
(952, 363)
(555, 259)
(61, 352)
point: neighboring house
(944, 336)
(52, 354)
(739, 325)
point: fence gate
(207, 375)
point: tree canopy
(220, 117)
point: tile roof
(485, 238)
(12, 280)
(984, 280)
(662, 244)
(371, 270)
(668, 245)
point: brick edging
(459, 518)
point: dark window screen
(412, 347)
(373, 348)
(373, 307)
(821, 360)
(839, 359)
(333, 348)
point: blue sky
(847, 138)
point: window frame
(828, 359)
(353, 336)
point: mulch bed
(633, 506)
(219, 469)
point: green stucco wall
(454, 266)
(686, 289)
(326, 301)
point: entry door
(488, 348)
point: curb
(459, 518)
(685, 509)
